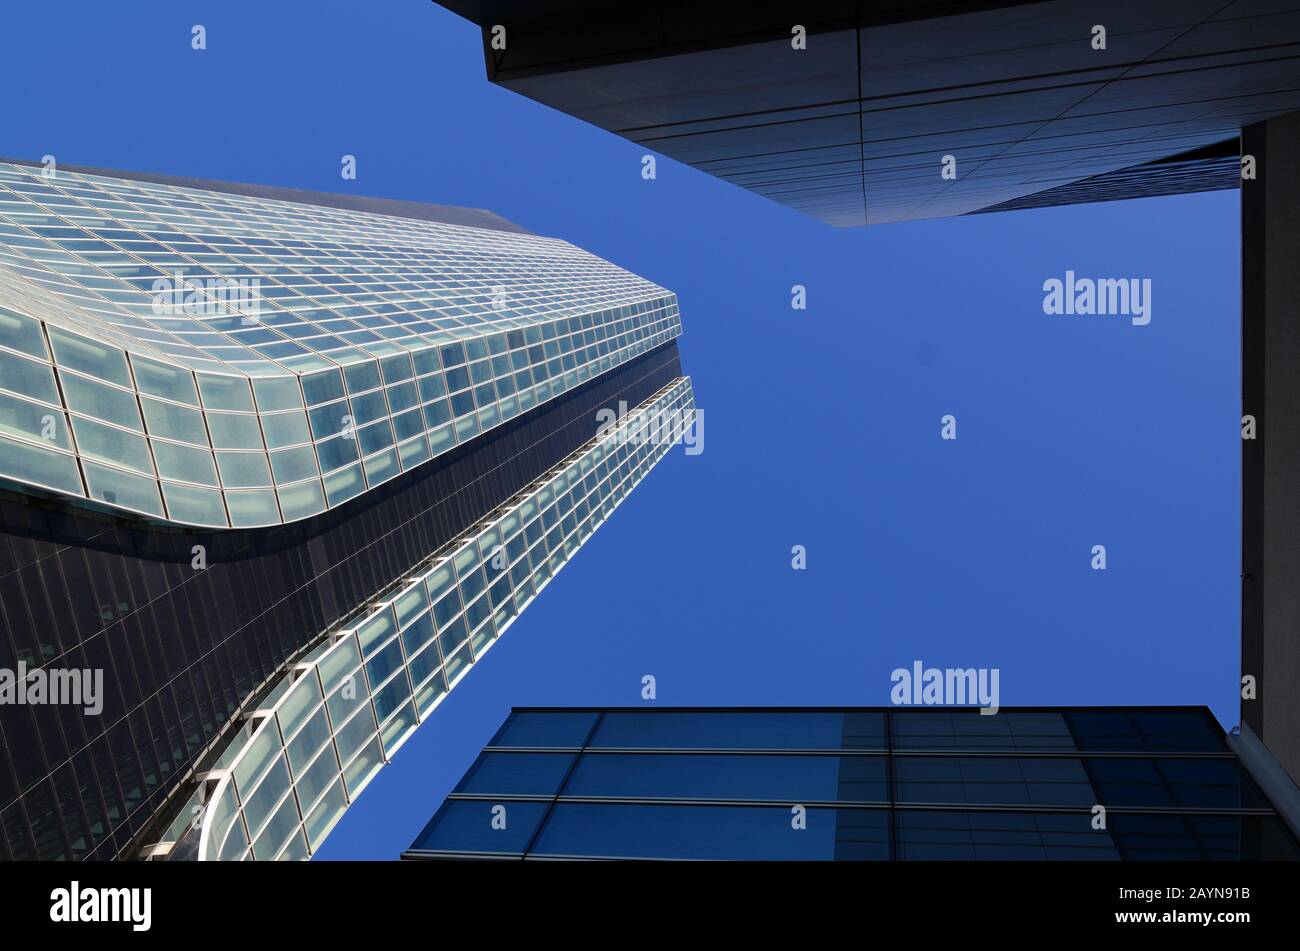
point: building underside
(1029, 104)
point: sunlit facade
(218, 360)
(239, 426)
(344, 709)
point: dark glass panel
(1191, 783)
(761, 833)
(792, 779)
(969, 729)
(529, 728)
(991, 780)
(1202, 838)
(520, 774)
(737, 730)
(1154, 730)
(465, 826)
(1001, 836)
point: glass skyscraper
(282, 465)
(1075, 783)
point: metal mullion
(532, 841)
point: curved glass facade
(343, 710)
(224, 360)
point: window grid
(886, 784)
(409, 648)
(403, 339)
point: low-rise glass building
(1075, 783)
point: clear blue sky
(822, 426)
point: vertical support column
(1270, 557)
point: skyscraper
(864, 784)
(256, 440)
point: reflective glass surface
(861, 784)
(353, 346)
(335, 718)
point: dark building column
(1270, 558)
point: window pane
(796, 779)
(301, 500)
(33, 420)
(21, 333)
(396, 368)
(159, 379)
(741, 730)
(225, 392)
(285, 429)
(1001, 836)
(408, 425)
(1154, 730)
(97, 441)
(252, 508)
(243, 469)
(291, 465)
(234, 432)
(185, 503)
(119, 488)
(325, 815)
(1213, 838)
(368, 408)
(382, 467)
(413, 452)
(28, 378)
(356, 732)
(343, 485)
(1193, 783)
(185, 463)
(335, 453)
(102, 402)
(174, 422)
(322, 387)
(755, 833)
(410, 603)
(330, 419)
(362, 376)
(524, 774)
(558, 729)
(89, 356)
(363, 768)
(995, 781)
(42, 466)
(275, 393)
(461, 826)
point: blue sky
(822, 426)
